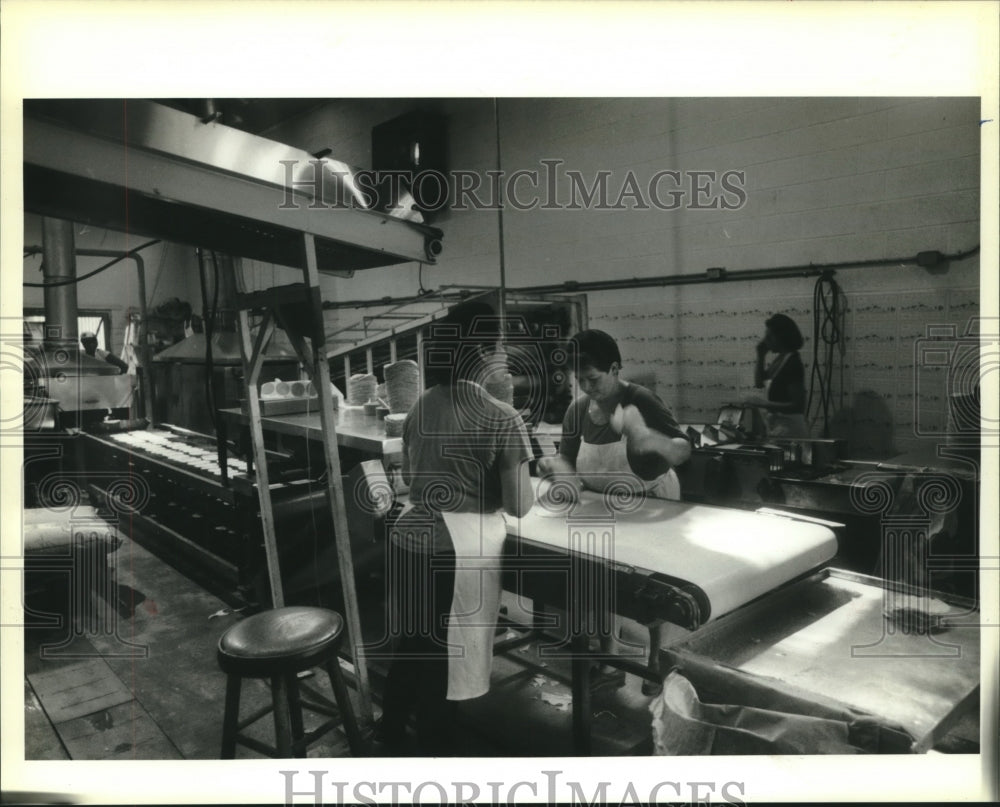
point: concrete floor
(155, 691)
(152, 656)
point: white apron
(601, 465)
(478, 540)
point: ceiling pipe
(929, 260)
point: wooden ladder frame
(315, 362)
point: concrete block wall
(825, 180)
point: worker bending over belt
(614, 432)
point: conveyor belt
(722, 557)
(649, 560)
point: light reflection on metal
(158, 171)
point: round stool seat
(283, 640)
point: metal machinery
(219, 189)
(210, 362)
(735, 464)
(200, 183)
(766, 624)
(144, 168)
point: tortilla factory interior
(262, 274)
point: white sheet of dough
(733, 556)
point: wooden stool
(277, 645)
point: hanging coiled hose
(829, 308)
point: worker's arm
(513, 458)
(795, 405)
(758, 369)
(654, 441)
(554, 465)
(515, 484)
(562, 466)
(111, 358)
(650, 452)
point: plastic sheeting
(684, 725)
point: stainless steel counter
(825, 640)
(355, 429)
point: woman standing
(465, 458)
(784, 377)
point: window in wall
(97, 321)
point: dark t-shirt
(456, 438)
(577, 426)
(788, 384)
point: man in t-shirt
(617, 432)
(465, 458)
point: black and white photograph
(417, 437)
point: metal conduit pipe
(59, 269)
(928, 260)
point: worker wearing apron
(784, 377)
(614, 432)
(465, 457)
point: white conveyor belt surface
(733, 556)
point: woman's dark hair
(453, 345)
(785, 331)
(595, 349)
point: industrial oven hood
(56, 361)
(225, 349)
(147, 169)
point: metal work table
(825, 640)
(354, 429)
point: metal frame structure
(143, 168)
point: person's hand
(556, 494)
(754, 401)
(762, 348)
(648, 443)
(628, 420)
(546, 465)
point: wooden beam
(250, 372)
(335, 490)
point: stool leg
(282, 717)
(295, 708)
(231, 717)
(344, 705)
